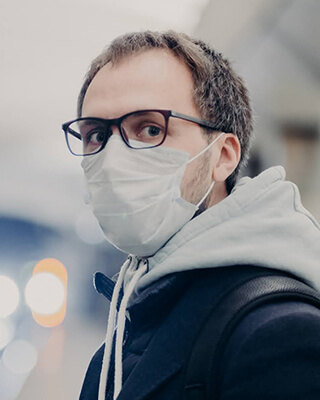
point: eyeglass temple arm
(74, 133)
(198, 121)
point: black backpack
(202, 372)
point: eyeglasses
(141, 129)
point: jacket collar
(150, 307)
(168, 350)
(103, 285)
(163, 358)
(152, 371)
(152, 302)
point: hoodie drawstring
(116, 325)
(120, 329)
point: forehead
(153, 79)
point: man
(165, 126)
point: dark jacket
(274, 353)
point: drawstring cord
(110, 330)
(121, 327)
(119, 320)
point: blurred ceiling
(46, 48)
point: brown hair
(219, 93)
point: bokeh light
(45, 293)
(9, 296)
(20, 357)
(56, 297)
(6, 332)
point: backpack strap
(202, 371)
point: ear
(227, 157)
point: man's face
(155, 79)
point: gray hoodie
(262, 222)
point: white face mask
(135, 194)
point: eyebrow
(89, 122)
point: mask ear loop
(205, 195)
(206, 148)
(200, 154)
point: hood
(262, 223)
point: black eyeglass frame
(117, 122)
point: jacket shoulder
(274, 353)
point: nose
(114, 129)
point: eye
(97, 137)
(151, 131)
(144, 126)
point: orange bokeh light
(55, 267)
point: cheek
(190, 170)
(185, 185)
(190, 175)
(197, 179)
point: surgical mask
(135, 194)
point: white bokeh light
(6, 332)
(20, 357)
(9, 296)
(45, 293)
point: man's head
(172, 71)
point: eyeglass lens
(141, 129)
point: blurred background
(45, 225)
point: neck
(219, 192)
